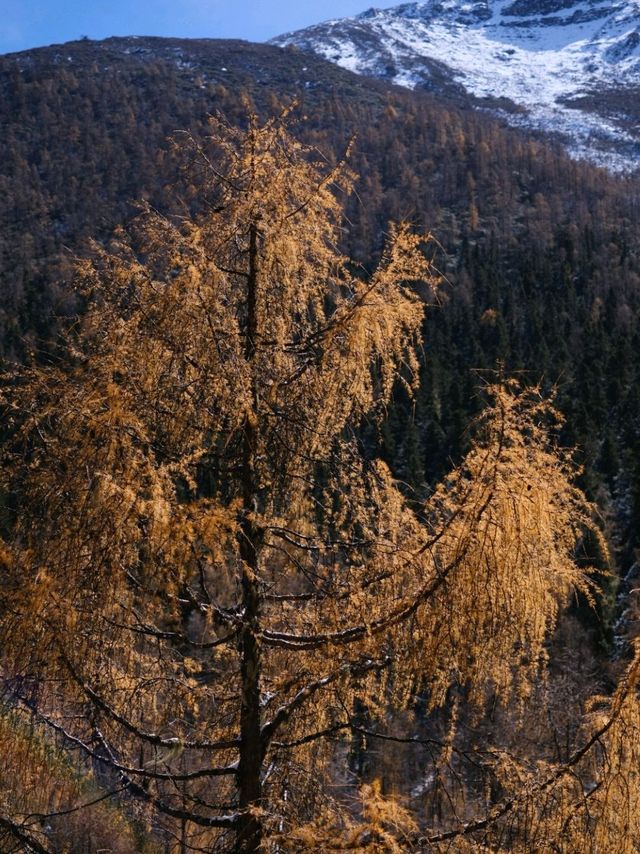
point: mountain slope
(554, 65)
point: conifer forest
(320, 465)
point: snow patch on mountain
(547, 58)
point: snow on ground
(535, 53)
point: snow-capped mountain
(569, 67)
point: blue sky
(32, 23)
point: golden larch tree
(202, 573)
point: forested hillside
(540, 253)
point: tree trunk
(249, 828)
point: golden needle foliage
(588, 804)
(39, 781)
(203, 576)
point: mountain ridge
(549, 65)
